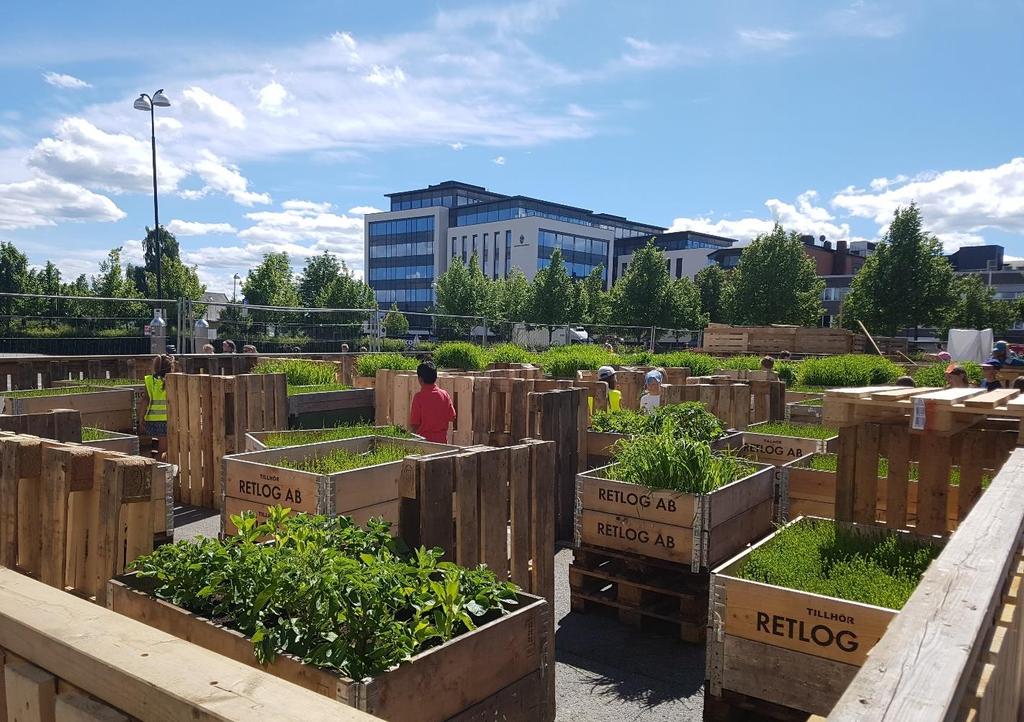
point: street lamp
(234, 281)
(149, 103)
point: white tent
(969, 345)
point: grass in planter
(848, 370)
(91, 434)
(664, 461)
(369, 364)
(802, 431)
(830, 462)
(460, 355)
(299, 372)
(344, 460)
(339, 432)
(817, 556)
(333, 594)
(110, 382)
(811, 402)
(689, 419)
(316, 388)
(55, 391)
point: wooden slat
(845, 473)
(520, 518)
(991, 399)
(31, 693)
(971, 472)
(899, 475)
(467, 513)
(76, 708)
(196, 432)
(494, 510)
(950, 396)
(933, 484)
(901, 393)
(865, 488)
(435, 501)
(211, 426)
(103, 542)
(218, 434)
(57, 463)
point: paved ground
(606, 670)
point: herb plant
(300, 372)
(688, 419)
(369, 364)
(666, 461)
(788, 428)
(815, 555)
(295, 438)
(316, 388)
(337, 460)
(325, 590)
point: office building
(409, 246)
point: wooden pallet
(642, 592)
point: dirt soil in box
(607, 672)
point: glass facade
(504, 210)
(401, 266)
(581, 254)
(449, 196)
(508, 251)
(629, 246)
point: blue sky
(290, 121)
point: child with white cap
(652, 396)
(607, 374)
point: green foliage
(848, 370)
(564, 361)
(975, 306)
(700, 364)
(177, 279)
(271, 283)
(326, 591)
(555, 298)
(54, 391)
(595, 301)
(905, 283)
(816, 556)
(511, 298)
(508, 353)
(711, 282)
(114, 282)
(369, 364)
(395, 323)
(336, 460)
(775, 282)
(316, 388)
(646, 296)
(666, 461)
(91, 434)
(462, 291)
(802, 431)
(935, 374)
(460, 355)
(687, 420)
(113, 382)
(314, 436)
(300, 372)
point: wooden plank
(653, 539)
(435, 497)
(493, 489)
(898, 439)
(56, 465)
(30, 508)
(277, 388)
(933, 484)
(218, 434)
(519, 516)
(467, 509)
(865, 480)
(253, 386)
(971, 472)
(542, 486)
(992, 399)
(948, 397)
(76, 708)
(846, 465)
(624, 499)
(196, 432)
(31, 693)
(210, 427)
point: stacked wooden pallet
(731, 340)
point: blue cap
(653, 375)
(993, 363)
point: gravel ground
(606, 670)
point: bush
(386, 344)
(508, 353)
(935, 374)
(663, 461)
(460, 355)
(848, 370)
(300, 372)
(369, 364)
(565, 361)
(687, 420)
(424, 346)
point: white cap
(605, 372)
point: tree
(177, 279)
(47, 282)
(711, 282)
(511, 298)
(642, 295)
(776, 282)
(14, 278)
(684, 307)
(461, 291)
(113, 282)
(270, 283)
(595, 300)
(317, 280)
(906, 282)
(555, 298)
(396, 324)
(975, 306)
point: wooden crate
(59, 425)
(255, 440)
(122, 443)
(600, 443)
(110, 409)
(323, 402)
(641, 591)
(253, 481)
(721, 339)
(698, 530)
(789, 648)
(775, 449)
(801, 413)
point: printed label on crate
(661, 541)
(269, 485)
(808, 623)
(616, 497)
(917, 421)
(780, 447)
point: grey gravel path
(606, 670)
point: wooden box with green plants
(355, 476)
(315, 387)
(110, 440)
(349, 612)
(778, 442)
(794, 617)
(261, 440)
(110, 409)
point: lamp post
(234, 282)
(149, 103)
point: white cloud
(83, 154)
(646, 55)
(223, 177)
(272, 98)
(578, 111)
(765, 38)
(45, 202)
(956, 205)
(165, 124)
(457, 146)
(864, 19)
(500, 160)
(60, 80)
(878, 184)
(364, 210)
(197, 228)
(219, 108)
(382, 75)
(306, 206)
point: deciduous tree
(711, 282)
(396, 325)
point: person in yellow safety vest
(154, 413)
(607, 374)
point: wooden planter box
(494, 672)
(600, 443)
(775, 449)
(364, 382)
(109, 409)
(786, 647)
(799, 413)
(254, 441)
(252, 482)
(795, 396)
(123, 443)
(323, 402)
(696, 529)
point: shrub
(300, 372)
(663, 461)
(687, 420)
(565, 361)
(424, 346)
(848, 370)
(460, 355)
(508, 353)
(369, 364)
(386, 344)
(935, 374)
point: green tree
(555, 298)
(775, 282)
(317, 280)
(596, 305)
(396, 325)
(15, 277)
(46, 281)
(177, 279)
(711, 282)
(270, 283)
(113, 282)
(684, 307)
(511, 298)
(642, 295)
(906, 282)
(462, 291)
(975, 306)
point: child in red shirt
(432, 408)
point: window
(679, 268)
(474, 243)
(454, 238)
(495, 266)
(624, 266)
(484, 266)
(668, 266)
(508, 250)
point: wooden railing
(956, 650)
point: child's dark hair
(427, 372)
(162, 365)
(905, 381)
(1018, 383)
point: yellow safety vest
(157, 392)
(614, 399)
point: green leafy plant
(802, 431)
(690, 420)
(337, 460)
(460, 355)
(508, 353)
(333, 594)
(666, 461)
(817, 556)
(369, 364)
(316, 388)
(848, 370)
(935, 374)
(112, 382)
(565, 361)
(55, 391)
(91, 434)
(296, 438)
(300, 372)
(830, 462)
